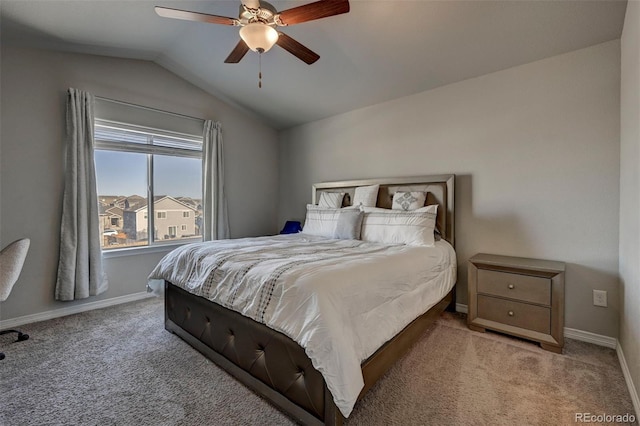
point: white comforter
(338, 299)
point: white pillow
(332, 200)
(432, 208)
(349, 224)
(366, 196)
(408, 200)
(415, 228)
(333, 223)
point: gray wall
(630, 192)
(536, 152)
(33, 84)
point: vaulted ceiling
(380, 50)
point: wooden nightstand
(518, 296)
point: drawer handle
(510, 313)
(511, 286)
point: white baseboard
(463, 309)
(627, 377)
(586, 336)
(76, 309)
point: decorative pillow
(333, 223)
(349, 224)
(415, 228)
(366, 196)
(331, 200)
(408, 200)
(320, 221)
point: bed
(255, 340)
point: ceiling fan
(258, 21)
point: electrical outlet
(600, 298)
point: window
(135, 164)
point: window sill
(136, 251)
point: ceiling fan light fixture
(258, 36)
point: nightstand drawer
(523, 315)
(515, 286)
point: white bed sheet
(338, 299)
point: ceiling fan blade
(237, 53)
(296, 49)
(312, 11)
(194, 16)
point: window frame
(150, 150)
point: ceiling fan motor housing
(265, 13)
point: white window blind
(126, 137)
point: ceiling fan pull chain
(260, 70)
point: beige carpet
(457, 376)
(117, 366)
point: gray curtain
(216, 220)
(80, 272)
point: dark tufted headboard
(440, 189)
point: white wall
(536, 152)
(34, 84)
(630, 192)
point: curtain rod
(115, 101)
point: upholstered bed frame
(275, 366)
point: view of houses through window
(135, 165)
